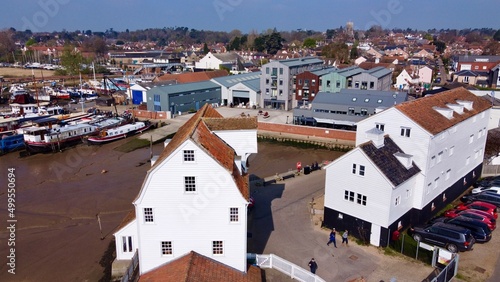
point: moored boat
(10, 141)
(124, 131)
(53, 139)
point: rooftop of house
(385, 159)
(365, 98)
(228, 81)
(199, 128)
(196, 267)
(422, 111)
(301, 61)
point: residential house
(424, 74)
(240, 89)
(410, 162)
(307, 84)
(340, 79)
(477, 63)
(346, 107)
(276, 82)
(407, 78)
(393, 51)
(377, 78)
(494, 77)
(360, 60)
(194, 198)
(476, 78)
(424, 54)
(214, 61)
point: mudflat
(59, 195)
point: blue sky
(246, 15)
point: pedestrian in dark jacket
(332, 238)
(313, 266)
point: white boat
(119, 132)
(51, 139)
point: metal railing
(286, 267)
(131, 270)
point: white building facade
(195, 196)
(444, 136)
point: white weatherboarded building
(411, 160)
(195, 196)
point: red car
(473, 214)
(478, 205)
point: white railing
(129, 274)
(286, 267)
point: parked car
(483, 197)
(449, 236)
(474, 214)
(478, 205)
(493, 189)
(479, 230)
(487, 182)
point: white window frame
(380, 126)
(361, 199)
(127, 244)
(189, 187)
(167, 248)
(234, 215)
(188, 156)
(405, 132)
(148, 215)
(361, 170)
(451, 151)
(218, 248)
(397, 201)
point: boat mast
(36, 89)
(81, 92)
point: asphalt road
(281, 224)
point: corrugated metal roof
(231, 80)
(301, 61)
(350, 71)
(379, 72)
(253, 84)
(355, 97)
(185, 87)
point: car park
(478, 205)
(474, 214)
(479, 230)
(493, 189)
(449, 236)
(483, 197)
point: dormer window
(446, 112)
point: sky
(246, 15)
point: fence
(490, 170)
(131, 270)
(286, 267)
(448, 272)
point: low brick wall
(150, 115)
(309, 131)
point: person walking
(313, 266)
(332, 238)
(345, 238)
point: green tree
(309, 43)
(30, 42)
(440, 46)
(71, 60)
(235, 44)
(336, 50)
(428, 36)
(205, 48)
(496, 36)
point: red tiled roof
(197, 128)
(194, 267)
(127, 219)
(423, 113)
(193, 76)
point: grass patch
(132, 145)
(390, 252)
